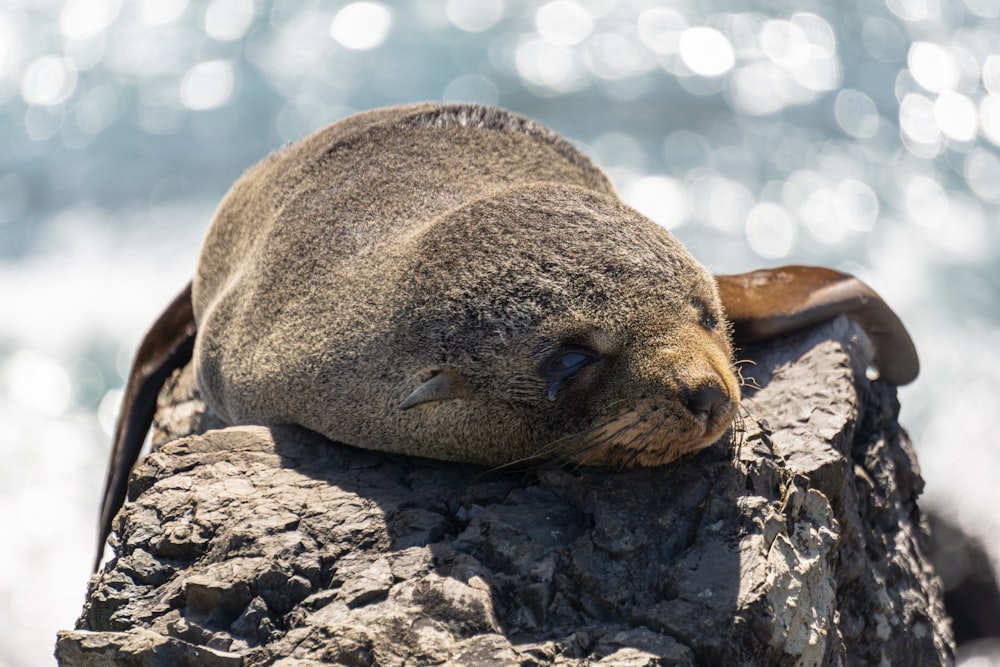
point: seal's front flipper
(772, 302)
(167, 346)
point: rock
(798, 541)
(139, 648)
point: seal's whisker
(545, 451)
(577, 449)
(738, 369)
(636, 450)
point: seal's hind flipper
(772, 302)
(167, 346)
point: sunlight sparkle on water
(226, 20)
(785, 44)
(956, 116)
(97, 109)
(9, 48)
(830, 209)
(49, 80)
(988, 9)
(926, 202)
(991, 73)
(914, 10)
(208, 85)
(161, 12)
(883, 39)
(361, 25)
(613, 56)
(474, 16)
(563, 22)
(36, 383)
(770, 230)
(706, 51)
(967, 231)
(87, 52)
(856, 113)
(471, 88)
(84, 18)
(664, 200)
(857, 205)
(982, 173)
(660, 29)
(544, 64)
(917, 120)
(720, 202)
(933, 66)
(989, 117)
(108, 409)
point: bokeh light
(956, 116)
(36, 383)
(474, 15)
(361, 25)
(161, 12)
(85, 18)
(545, 65)
(915, 10)
(770, 230)
(706, 51)
(663, 199)
(991, 72)
(918, 121)
(49, 80)
(933, 66)
(226, 20)
(982, 173)
(660, 29)
(207, 85)
(563, 22)
(856, 113)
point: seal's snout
(708, 401)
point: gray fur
(458, 246)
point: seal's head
(572, 328)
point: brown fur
(456, 249)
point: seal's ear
(168, 345)
(773, 302)
(441, 384)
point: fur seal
(460, 283)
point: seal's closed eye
(706, 318)
(565, 364)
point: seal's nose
(707, 400)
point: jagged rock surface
(796, 542)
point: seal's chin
(651, 433)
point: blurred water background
(858, 135)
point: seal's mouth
(652, 432)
